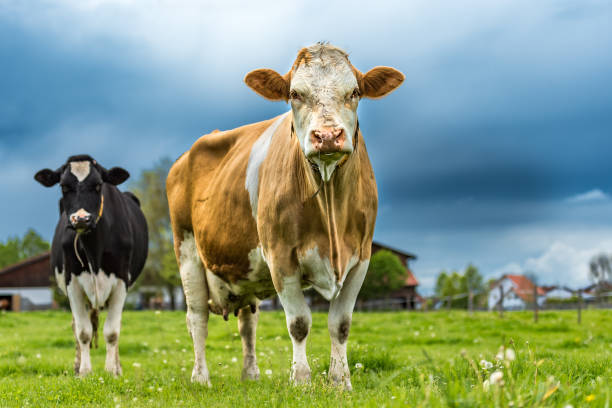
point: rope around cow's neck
(93, 275)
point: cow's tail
(93, 316)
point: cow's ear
(115, 176)
(269, 84)
(48, 177)
(380, 81)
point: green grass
(409, 359)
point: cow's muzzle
(328, 141)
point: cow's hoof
(250, 373)
(300, 375)
(201, 378)
(116, 371)
(84, 372)
(341, 381)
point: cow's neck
(335, 200)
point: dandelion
(496, 378)
(486, 385)
(183, 368)
(323, 372)
(38, 355)
(135, 399)
(486, 365)
(165, 361)
(500, 354)
(234, 360)
(159, 389)
(101, 380)
(268, 372)
(510, 355)
(136, 364)
(151, 388)
(359, 366)
(393, 397)
(227, 346)
(126, 381)
(589, 398)
(416, 333)
(277, 338)
(183, 350)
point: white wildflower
(358, 366)
(485, 385)
(137, 365)
(268, 372)
(227, 346)
(159, 389)
(21, 360)
(183, 369)
(234, 360)
(486, 365)
(157, 312)
(165, 361)
(500, 353)
(38, 355)
(510, 354)
(101, 380)
(183, 350)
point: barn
(407, 295)
(26, 285)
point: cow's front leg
(196, 297)
(77, 354)
(82, 325)
(297, 314)
(247, 326)
(112, 328)
(339, 324)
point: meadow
(416, 359)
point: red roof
(410, 279)
(523, 286)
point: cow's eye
(355, 93)
(295, 95)
(98, 187)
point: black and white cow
(99, 248)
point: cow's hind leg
(247, 326)
(82, 325)
(196, 297)
(297, 314)
(339, 324)
(112, 328)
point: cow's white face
(324, 95)
(324, 90)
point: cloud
(560, 264)
(589, 196)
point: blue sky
(496, 150)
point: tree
(458, 287)
(160, 269)
(17, 249)
(386, 273)
(600, 269)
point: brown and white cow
(279, 206)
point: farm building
(408, 293)
(26, 285)
(517, 292)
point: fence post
(471, 301)
(501, 301)
(579, 306)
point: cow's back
(207, 196)
(140, 235)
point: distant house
(407, 294)
(26, 285)
(517, 293)
(552, 293)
